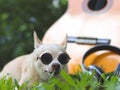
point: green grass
(81, 81)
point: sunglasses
(47, 58)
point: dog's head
(49, 58)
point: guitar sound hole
(97, 5)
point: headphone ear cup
(98, 72)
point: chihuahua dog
(39, 65)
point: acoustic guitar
(87, 20)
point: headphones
(98, 71)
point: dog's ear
(64, 43)
(37, 41)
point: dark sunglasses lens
(46, 58)
(63, 58)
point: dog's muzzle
(55, 68)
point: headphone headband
(99, 48)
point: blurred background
(18, 19)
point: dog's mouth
(55, 68)
(55, 72)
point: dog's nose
(56, 66)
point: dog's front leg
(25, 75)
(25, 78)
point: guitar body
(88, 21)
